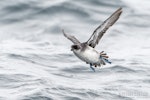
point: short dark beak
(71, 49)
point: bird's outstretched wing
(72, 38)
(100, 30)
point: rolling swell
(35, 58)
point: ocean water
(35, 58)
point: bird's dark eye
(75, 47)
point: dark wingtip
(119, 10)
(63, 32)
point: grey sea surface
(35, 58)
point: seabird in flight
(86, 50)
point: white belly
(90, 55)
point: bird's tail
(104, 58)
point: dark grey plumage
(100, 30)
(72, 38)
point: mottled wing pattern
(71, 38)
(100, 30)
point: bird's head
(75, 47)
